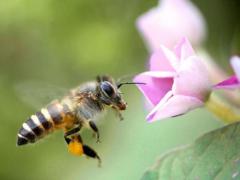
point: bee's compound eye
(107, 88)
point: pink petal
(156, 87)
(187, 18)
(161, 74)
(192, 79)
(174, 106)
(216, 73)
(166, 97)
(163, 60)
(169, 22)
(184, 49)
(230, 83)
(235, 62)
(152, 28)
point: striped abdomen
(54, 116)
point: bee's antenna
(125, 77)
(119, 85)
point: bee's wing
(39, 94)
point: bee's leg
(76, 147)
(95, 129)
(119, 115)
(89, 152)
(72, 131)
(67, 139)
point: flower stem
(227, 113)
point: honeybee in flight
(74, 111)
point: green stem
(227, 113)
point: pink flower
(169, 22)
(176, 83)
(233, 81)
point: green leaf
(215, 155)
(150, 175)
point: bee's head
(109, 93)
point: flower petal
(166, 97)
(183, 49)
(161, 74)
(174, 106)
(170, 21)
(192, 79)
(156, 87)
(216, 73)
(235, 62)
(163, 60)
(230, 83)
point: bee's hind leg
(72, 131)
(89, 152)
(76, 147)
(93, 126)
(67, 139)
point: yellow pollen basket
(75, 147)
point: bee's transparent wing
(39, 94)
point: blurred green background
(67, 42)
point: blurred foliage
(67, 42)
(209, 157)
(79, 33)
(223, 26)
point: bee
(76, 110)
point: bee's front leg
(118, 113)
(93, 126)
